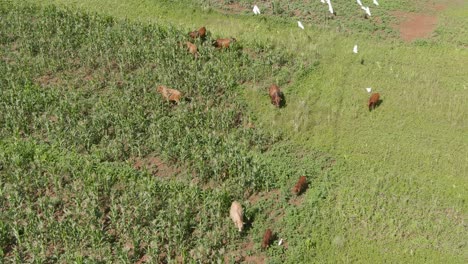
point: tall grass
(79, 105)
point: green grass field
(96, 167)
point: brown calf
(171, 95)
(200, 33)
(373, 101)
(267, 237)
(300, 186)
(223, 43)
(192, 48)
(275, 95)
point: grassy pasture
(396, 193)
(79, 106)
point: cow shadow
(380, 101)
(283, 102)
(249, 219)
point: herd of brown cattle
(276, 96)
(277, 99)
(237, 216)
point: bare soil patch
(415, 25)
(235, 8)
(240, 256)
(155, 166)
(273, 194)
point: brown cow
(171, 95)
(267, 237)
(200, 33)
(300, 186)
(275, 95)
(373, 101)
(192, 48)
(223, 43)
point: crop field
(96, 167)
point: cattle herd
(276, 96)
(237, 216)
(277, 99)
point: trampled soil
(418, 25)
(415, 25)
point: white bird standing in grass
(256, 10)
(369, 90)
(300, 24)
(359, 2)
(367, 9)
(323, 1)
(376, 3)
(280, 242)
(330, 8)
(355, 49)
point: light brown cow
(171, 95)
(275, 95)
(192, 48)
(300, 186)
(237, 215)
(223, 43)
(267, 237)
(373, 101)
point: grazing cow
(300, 186)
(223, 43)
(171, 95)
(236, 215)
(267, 237)
(200, 33)
(275, 95)
(373, 101)
(192, 48)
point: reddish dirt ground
(414, 26)
(155, 166)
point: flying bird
(376, 3)
(369, 90)
(355, 49)
(256, 10)
(300, 24)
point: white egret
(323, 1)
(280, 242)
(355, 49)
(367, 9)
(300, 24)
(369, 90)
(330, 8)
(256, 10)
(376, 3)
(359, 2)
